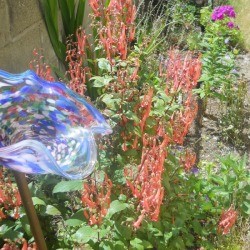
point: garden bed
(174, 174)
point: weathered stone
(23, 14)
(4, 24)
(6, 58)
(16, 56)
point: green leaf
(67, 12)
(107, 80)
(146, 244)
(168, 236)
(123, 231)
(106, 245)
(80, 13)
(136, 244)
(101, 81)
(131, 152)
(98, 81)
(199, 91)
(246, 207)
(156, 232)
(217, 180)
(50, 11)
(178, 243)
(51, 210)
(115, 207)
(76, 220)
(8, 225)
(247, 189)
(110, 102)
(37, 201)
(206, 206)
(85, 234)
(132, 116)
(13, 235)
(197, 226)
(73, 222)
(119, 245)
(166, 181)
(104, 64)
(67, 186)
(26, 225)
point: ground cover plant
(148, 190)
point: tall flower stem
(30, 210)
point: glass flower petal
(47, 128)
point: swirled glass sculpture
(47, 128)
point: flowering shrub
(220, 22)
(218, 51)
(224, 13)
(220, 46)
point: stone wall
(22, 29)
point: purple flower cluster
(221, 12)
(230, 25)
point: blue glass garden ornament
(47, 128)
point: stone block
(23, 14)
(4, 24)
(16, 56)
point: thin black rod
(30, 210)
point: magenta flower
(221, 12)
(230, 25)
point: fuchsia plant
(116, 27)
(227, 220)
(180, 73)
(96, 198)
(40, 67)
(146, 185)
(76, 55)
